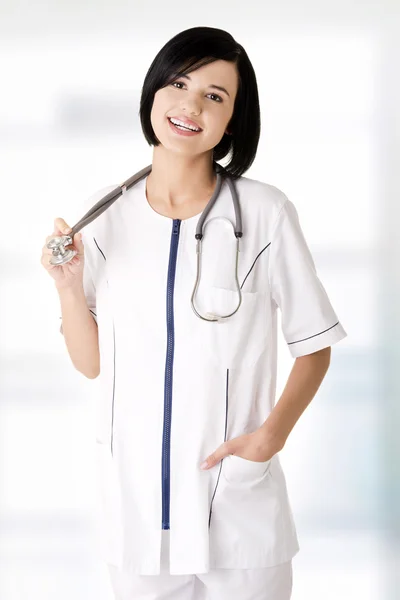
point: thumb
(215, 457)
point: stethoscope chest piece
(61, 254)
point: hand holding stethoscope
(69, 273)
(62, 253)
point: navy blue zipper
(166, 444)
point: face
(193, 97)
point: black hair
(190, 50)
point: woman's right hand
(71, 273)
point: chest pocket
(239, 340)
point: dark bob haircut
(190, 50)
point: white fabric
(223, 376)
(88, 284)
(270, 583)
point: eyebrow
(212, 85)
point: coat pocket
(239, 340)
(239, 470)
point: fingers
(216, 456)
(78, 244)
(45, 260)
(61, 226)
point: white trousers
(271, 583)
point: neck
(177, 180)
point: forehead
(222, 67)
(218, 73)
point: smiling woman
(199, 104)
(195, 112)
(203, 76)
(175, 389)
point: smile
(178, 127)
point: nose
(192, 105)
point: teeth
(182, 124)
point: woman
(175, 390)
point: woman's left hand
(257, 446)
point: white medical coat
(173, 387)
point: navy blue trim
(255, 260)
(100, 250)
(166, 443)
(311, 336)
(226, 424)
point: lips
(186, 121)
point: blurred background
(328, 76)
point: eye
(181, 83)
(219, 97)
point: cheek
(160, 106)
(216, 129)
(156, 118)
(155, 113)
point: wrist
(274, 438)
(71, 289)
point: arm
(310, 327)
(303, 383)
(80, 330)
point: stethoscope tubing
(63, 255)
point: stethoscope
(62, 255)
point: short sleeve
(308, 320)
(88, 282)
